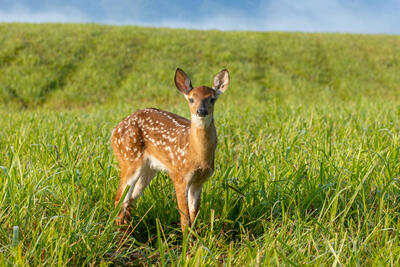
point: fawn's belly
(199, 175)
(154, 163)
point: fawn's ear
(182, 81)
(221, 81)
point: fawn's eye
(212, 100)
(191, 100)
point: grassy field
(308, 162)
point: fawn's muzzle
(202, 112)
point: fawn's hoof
(123, 218)
(121, 221)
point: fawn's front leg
(194, 197)
(181, 189)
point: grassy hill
(307, 163)
(59, 66)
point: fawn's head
(201, 99)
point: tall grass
(307, 165)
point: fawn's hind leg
(144, 178)
(129, 176)
(127, 145)
(138, 180)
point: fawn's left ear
(221, 82)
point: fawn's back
(152, 134)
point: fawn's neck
(202, 142)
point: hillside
(65, 66)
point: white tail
(152, 140)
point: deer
(152, 140)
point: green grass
(307, 166)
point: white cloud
(220, 22)
(292, 15)
(330, 16)
(19, 13)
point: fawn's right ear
(182, 81)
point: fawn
(152, 140)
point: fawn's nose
(202, 112)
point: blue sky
(351, 16)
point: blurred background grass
(69, 66)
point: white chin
(201, 122)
